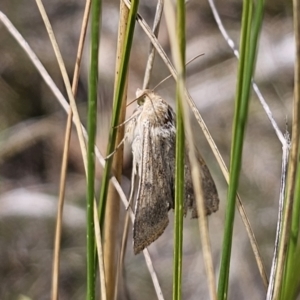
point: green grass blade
(92, 128)
(248, 48)
(120, 87)
(180, 155)
(230, 210)
(179, 194)
(291, 280)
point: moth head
(141, 96)
(141, 100)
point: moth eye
(141, 101)
(142, 98)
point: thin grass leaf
(92, 129)
(179, 194)
(176, 29)
(291, 280)
(180, 155)
(234, 163)
(249, 38)
(117, 103)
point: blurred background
(32, 126)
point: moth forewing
(152, 135)
(154, 192)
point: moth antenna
(126, 121)
(136, 99)
(165, 79)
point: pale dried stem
(122, 254)
(58, 228)
(285, 155)
(293, 161)
(100, 253)
(60, 206)
(57, 239)
(112, 211)
(155, 30)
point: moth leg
(128, 130)
(133, 178)
(126, 121)
(117, 148)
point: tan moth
(151, 132)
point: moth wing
(210, 193)
(154, 192)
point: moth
(151, 132)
